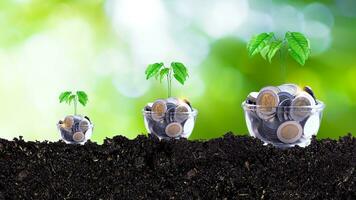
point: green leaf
(163, 73)
(82, 97)
(153, 69)
(180, 72)
(71, 98)
(264, 51)
(180, 79)
(274, 47)
(258, 42)
(64, 96)
(298, 46)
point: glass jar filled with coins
(75, 129)
(170, 118)
(284, 116)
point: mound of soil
(231, 167)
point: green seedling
(69, 97)
(159, 71)
(267, 45)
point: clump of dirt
(231, 167)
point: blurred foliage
(47, 46)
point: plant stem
(75, 105)
(169, 80)
(283, 67)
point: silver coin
(283, 110)
(268, 134)
(285, 95)
(147, 108)
(84, 125)
(170, 115)
(308, 90)
(158, 128)
(173, 100)
(292, 89)
(77, 118)
(170, 105)
(66, 134)
(272, 123)
(252, 98)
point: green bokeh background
(103, 47)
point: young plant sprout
(75, 129)
(69, 97)
(284, 115)
(159, 71)
(267, 45)
(172, 117)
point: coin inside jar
(182, 113)
(68, 122)
(78, 136)
(252, 97)
(173, 100)
(285, 95)
(159, 109)
(84, 125)
(292, 89)
(289, 132)
(283, 110)
(300, 107)
(170, 114)
(267, 101)
(308, 90)
(174, 129)
(158, 128)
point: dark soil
(231, 167)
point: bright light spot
(130, 80)
(319, 35)
(257, 23)
(319, 12)
(137, 13)
(224, 17)
(286, 19)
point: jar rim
(194, 112)
(319, 106)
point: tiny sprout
(159, 71)
(266, 44)
(69, 97)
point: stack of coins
(73, 129)
(169, 118)
(278, 114)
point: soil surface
(231, 167)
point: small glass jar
(75, 129)
(170, 124)
(283, 126)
